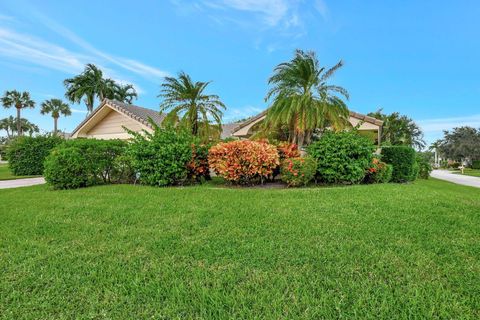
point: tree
(125, 93)
(461, 143)
(91, 84)
(302, 99)
(189, 106)
(55, 107)
(9, 125)
(18, 100)
(29, 127)
(399, 130)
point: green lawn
(5, 173)
(469, 172)
(208, 252)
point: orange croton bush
(288, 150)
(244, 161)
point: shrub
(402, 158)
(198, 169)
(379, 172)
(27, 154)
(287, 150)
(476, 164)
(65, 168)
(342, 157)
(423, 167)
(244, 161)
(298, 171)
(85, 162)
(161, 158)
(454, 165)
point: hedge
(342, 157)
(165, 156)
(402, 158)
(27, 154)
(476, 164)
(85, 162)
(299, 171)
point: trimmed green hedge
(342, 157)
(476, 164)
(162, 158)
(402, 158)
(27, 154)
(85, 162)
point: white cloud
(321, 7)
(37, 51)
(234, 114)
(78, 111)
(440, 124)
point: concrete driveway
(456, 178)
(7, 184)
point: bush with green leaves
(298, 171)
(85, 162)
(379, 172)
(66, 168)
(423, 167)
(26, 154)
(402, 158)
(161, 158)
(342, 157)
(476, 164)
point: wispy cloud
(78, 111)
(440, 124)
(235, 114)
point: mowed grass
(6, 174)
(131, 252)
(469, 172)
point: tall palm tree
(9, 125)
(125, 93)
(88, 85)
(189, 105)
(55, 107)
(18, 100)
(302, 99)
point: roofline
(112, 104)
(353, 114)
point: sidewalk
(456, 178)
(6, 184)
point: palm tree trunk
(55, 125)
(19, 123)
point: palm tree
(89, 85)
(29, 127)
(9, 125)
(188, 105)
(56, 107)
(19, 101)
(125, 93)
(303, 100)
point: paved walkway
(6, 184)
(456, 178)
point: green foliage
(67, 168)
(379, 172)
(86, 162)
(161, 157)
(423, 165)
(26, 154)
(402, 158)
(198, 169)
(476, 164)
(303, 100)
(188, 106)
(399, 130)
(342, 157)
(298, 171)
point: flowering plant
(298, 171)
(244, 161)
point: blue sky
(419, 58)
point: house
(111, 117)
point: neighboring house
(109, 120)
